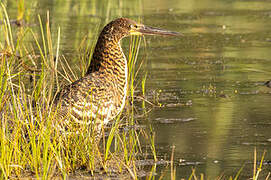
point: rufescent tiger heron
(100, 95)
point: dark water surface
(214, 108)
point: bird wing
(87, 98)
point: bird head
(123, 27)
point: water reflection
(219, 66)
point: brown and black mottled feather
(100, 94)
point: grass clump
(31, 144)
(256, 169)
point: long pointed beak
(155, 31)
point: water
(214, 108)
(218, 69)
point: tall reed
(31, 142)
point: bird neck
(109, 59)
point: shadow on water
(208, 85)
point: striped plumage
(100, 95)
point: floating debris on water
(173, 120)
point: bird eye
(134, 26)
